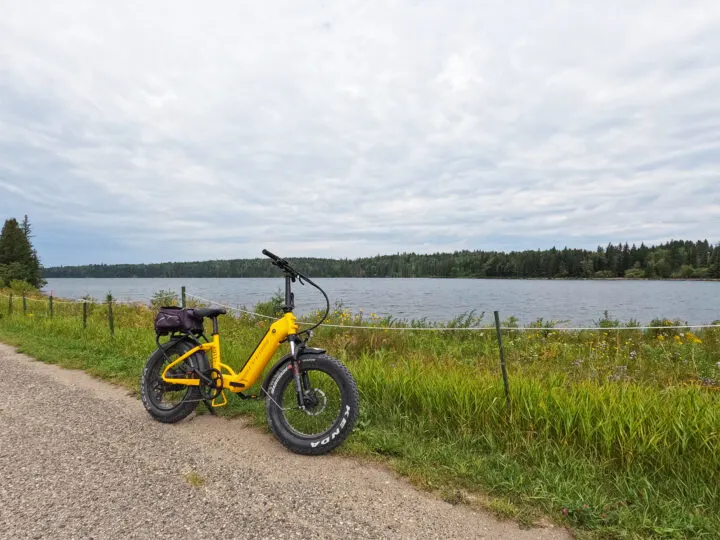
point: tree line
(19, 262)
(674, 259)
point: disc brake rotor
(318, 407)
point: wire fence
(143, 299)
(16, 302)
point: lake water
(580, 302)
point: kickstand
(208, 404)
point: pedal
(224, 402)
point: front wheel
(329, 409)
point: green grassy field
(614, 433)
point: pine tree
(26, 229)
(18, 259)
(715, 263)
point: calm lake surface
(578, 302)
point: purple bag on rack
(171, 319)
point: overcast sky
(148, 131)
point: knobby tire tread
(183, 409)
(303, 445)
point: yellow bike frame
(253, 368)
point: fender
(199, 357)
(285, 360)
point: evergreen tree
(715, 263)
(26, 229)
(18, 259)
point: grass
(614, 433)
(194, 479)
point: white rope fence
(45, 300)
(348, 326)
(405, 328)
(56, 300)
(237, 310)
(469, 328)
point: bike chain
(204, 387)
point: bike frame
(253, 368)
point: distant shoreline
(674, 260)
(399, 277)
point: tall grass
(614, 432)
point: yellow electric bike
(312, 399)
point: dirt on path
(80, 458)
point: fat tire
(150, 372)
(350, 407)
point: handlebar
(290, 275)
(271, 255)
(282, 264)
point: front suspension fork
(295, 366)
(300, 381)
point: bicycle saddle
(209, 312)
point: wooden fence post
(85, 313)
(111, 320)
(52, 310)
(10, 304)
(502, 358)
(24, 304)
(182, 296)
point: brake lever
(283, 265)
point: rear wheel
(166, 402)
(329, 411)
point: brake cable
(327, 304)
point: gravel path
(80, 458)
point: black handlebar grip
(271, 255)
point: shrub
(466, 320)
(686, 271)
(163, 298)
(665, 332)
(606, 321)
(272, 307)
(634, 273)
(19, 287)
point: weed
(194, 479)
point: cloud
(140, 132)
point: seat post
(215, 325)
